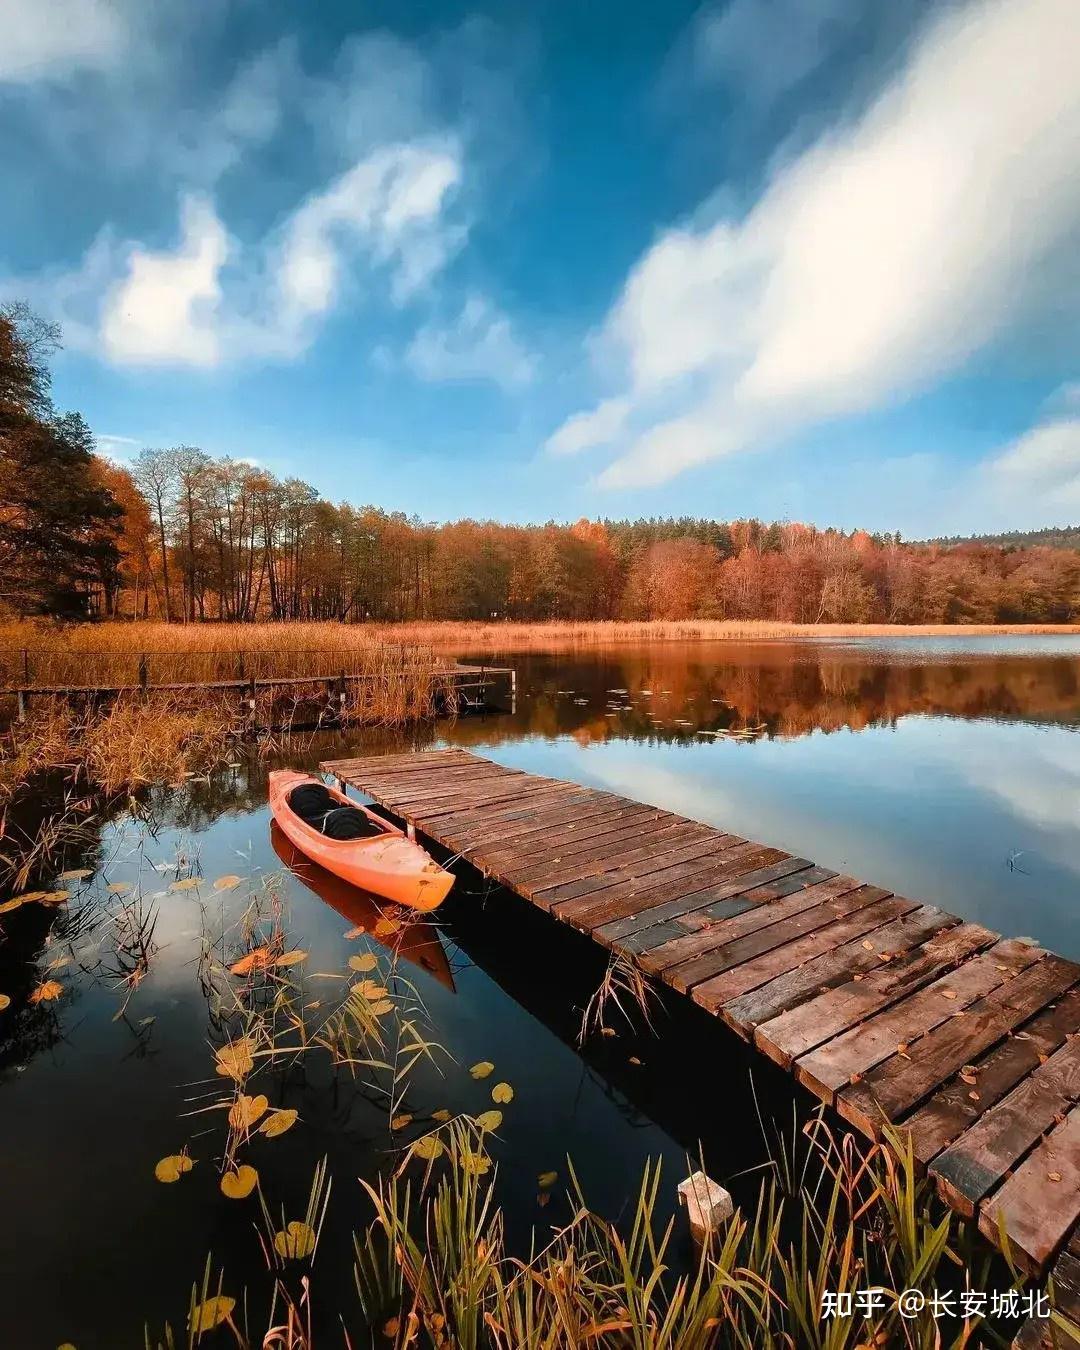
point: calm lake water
(945, 770)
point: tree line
(183, 536)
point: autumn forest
(179, 535)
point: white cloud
(55, 39)
(383, 224)
(167, 306)
(876, 262)
(1040, 470)
(587, 429)
(479, 345)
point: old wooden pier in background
(887, 1008)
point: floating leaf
(546, 1179)
(635, 1061)
(543, 1198)
(59, 962)
(429, 1147)
(291, 958)
(9, 905)
(475, 1163)
(482, 1069)
(607, 1031)
(236, 1059)
(5, 1001)
(441, 1114)
(76, 874)
(238, 1185)
(245, 1111)
(210, 1314)
(362, 963)
(385, 928)
(118, 888)
(173, 1167)
(502, 1093)
(296, 1241)
(56, 897)
(489, 1120)
(45, 993)
(256, 959)
(356, 932)
(399, 1122)
(277, 1122)
(391, 1327)
(370, 989)
(381, 1009)
(228, 883)
(186, 884)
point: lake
(947, 770)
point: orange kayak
(414, 938)
(354, 843)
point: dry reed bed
(558, 636)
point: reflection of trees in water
(777, 690)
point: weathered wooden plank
(795, 1032)
(899, 1083)
(700, 931)
(677, 845)
(1037, 1204)
(956, 1106)
(1043, 1333)
(805, 936)
(612, 855)
(517, 798)
(588, 910)
(969, 1169)
(471, 825)
(835, 967)
(858, 1049)
(569, 859)
(573, 829)
(675, 898)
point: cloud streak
(874, 264)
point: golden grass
(559, 636)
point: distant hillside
(1055, 536)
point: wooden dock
(888, 1009)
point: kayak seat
(346, 822)
(311, 802)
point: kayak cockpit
(319, 809)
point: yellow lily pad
(429, 1147)
(46, 992)
(365, 962)
(173, 1167)
(385, 928)
(291, 958)
(245, 1111)
(502, 1093)
(399, 1122)
(5, 1001)
(296, 1241)
(238, 1185)
(185, 884)
(228, 883)
(383, 1007)
(211, 1313)
(236, 1059)
(118, 888)
(489, 1120)
(76, 874)
(476, 1164)
(441, 1114)
(482, 1069)
(278, 1122)
(547, 1179)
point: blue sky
(812, 259)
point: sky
(801, 259)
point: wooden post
(707, 1205)
(22, 697)
(26, 668)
